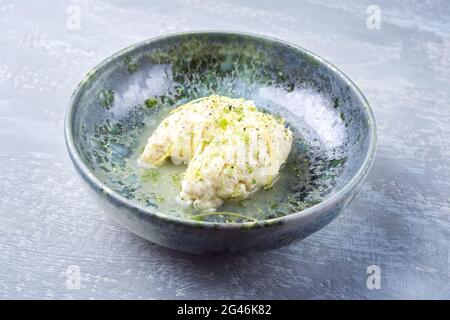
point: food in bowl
(232, 149)
(124, 99)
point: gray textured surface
(400, 221)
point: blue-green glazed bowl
(112, 109)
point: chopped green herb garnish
(150, 175)
(223, 123)
(175, 177)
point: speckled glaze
(317, 100)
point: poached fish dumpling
(232, 149)
(190, 127)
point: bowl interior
(120, 103)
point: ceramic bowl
(114, 104)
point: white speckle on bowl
(156, 82)
(314, 109)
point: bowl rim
(331, 201)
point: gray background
(399, 221)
